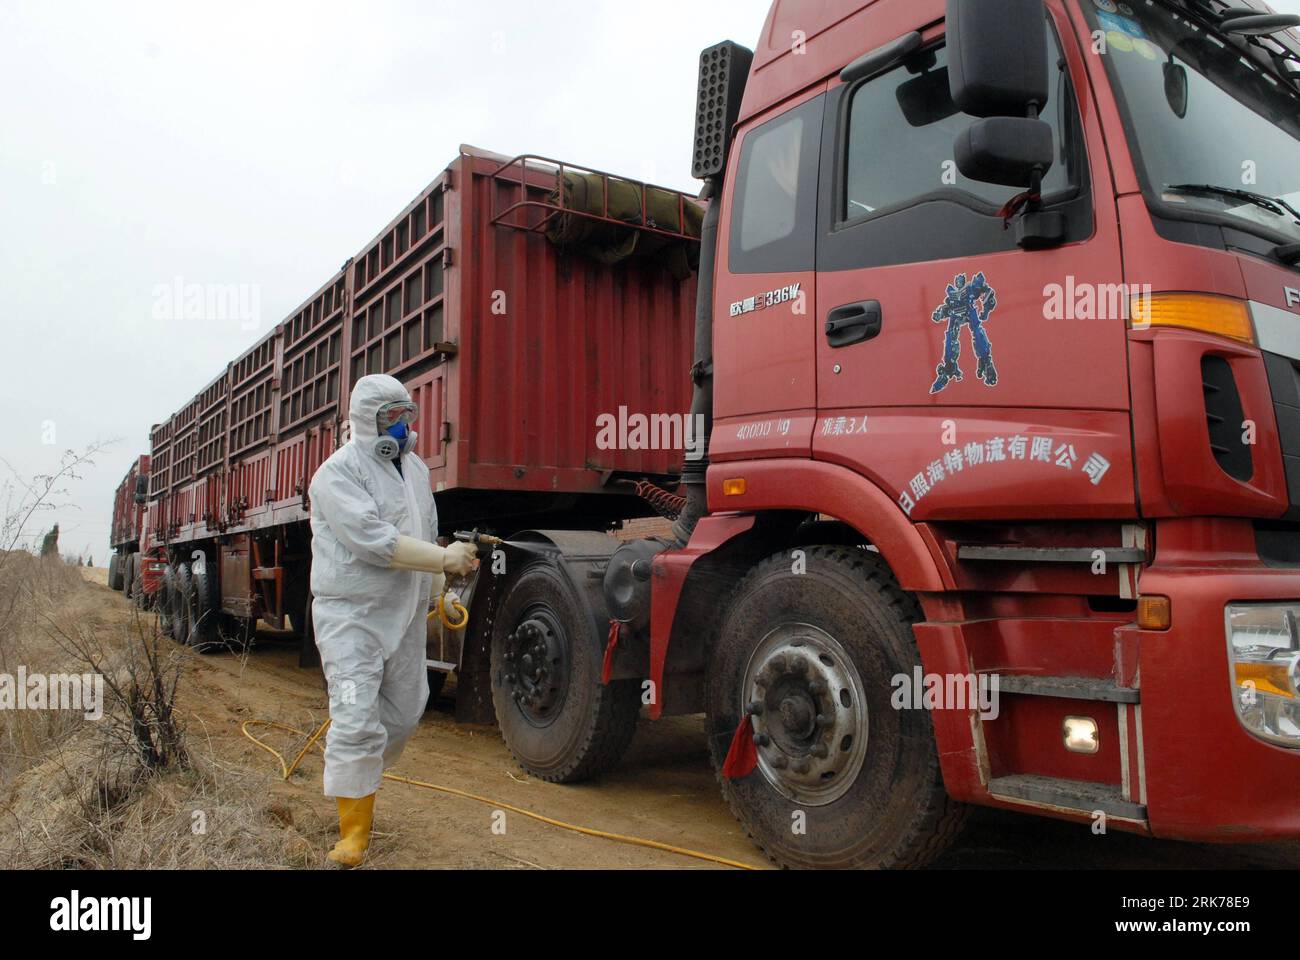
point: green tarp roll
(610, 243)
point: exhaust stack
(724, 71)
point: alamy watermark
(1073, 300)
(75, 913)
(953, 691)
(216, 302)
(79, 692)
(656, 431)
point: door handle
(855, 323)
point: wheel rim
(536, 670)
(810, 713)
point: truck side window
(896, 195)
(773, 227)
(901, 130)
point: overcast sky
(262, 144)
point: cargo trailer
(512, 344)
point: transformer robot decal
(968, 304)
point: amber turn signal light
(734, 488)
(1221, 316)
(1154, 613)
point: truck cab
(1005, 353)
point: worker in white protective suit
(374, 568)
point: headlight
(1264, 653)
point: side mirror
(1176, 88)
(1011, 151)
(997, 56)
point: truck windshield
(1212, 130)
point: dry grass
(130, 790)
(29, 589)
(60, 815)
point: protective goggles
(391, 414)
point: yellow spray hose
(459, 610)
(313, 740)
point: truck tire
(138, 596)
(128, 575)
(163, 600)
(180, 605)
(560, 723)
(819, 651)
(238, 631)
(205, 611)
(115, 572)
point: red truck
(125, 570)
(1057, 572)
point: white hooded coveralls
(369, 620)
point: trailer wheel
(843, 780)
(163, 600)
(205, 611)
(559, 721)
(138, 596)
(238, 631)
(128, 575)
(180, 604)
(115, 572)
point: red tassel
(610, 646)
(742, 758)
(1014, 205)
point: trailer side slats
(511, 348)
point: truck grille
(1284, 381)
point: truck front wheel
(810, 646)
(559, 721)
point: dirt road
(664, 790)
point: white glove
(449, 605)
(422, 557)
(461, 559)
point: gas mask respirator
(394, 426)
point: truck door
(764, 335)
(953, 365)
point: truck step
(1069, 688)
(1075, 795)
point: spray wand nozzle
(479, 539)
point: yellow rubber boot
(356, 817)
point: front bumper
(1204, 775)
